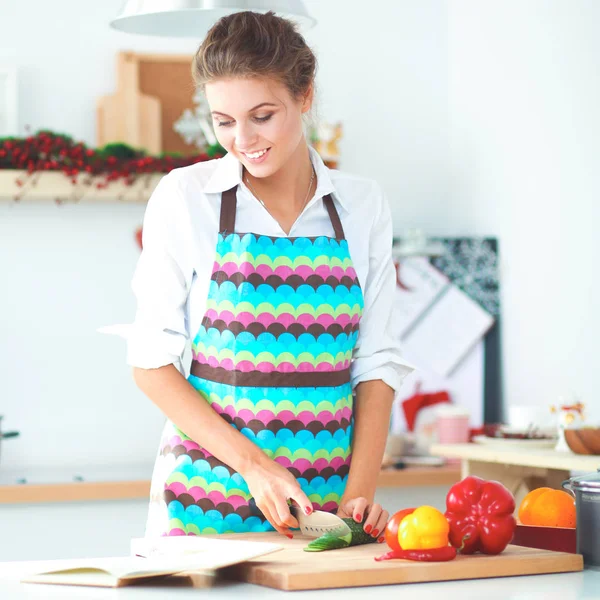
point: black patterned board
(472, 264)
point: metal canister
(586, 489)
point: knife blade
(319, 522)
(314, 525)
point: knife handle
(255, 510)
(259, 513)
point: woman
(273, 314)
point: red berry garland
(48, 151)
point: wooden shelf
(52, 186)
(73, 492)
(123, 490)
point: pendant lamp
(193, 18)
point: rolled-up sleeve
(161, 283)
(377, 353)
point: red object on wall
(411, 406)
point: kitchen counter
(568, 586)
(520, 468)
(133, 481)
(518, 455)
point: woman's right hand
(271, 485)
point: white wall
(476, 118)
(523, 97)
(383, 70)
(66, 270)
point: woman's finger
(275, 522)
(283, 513)
(381, 523)
(301, 499)
(370, 525)
(359, 510)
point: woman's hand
(271, 485)
(375, 518)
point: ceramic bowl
(585, 440)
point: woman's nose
(245, 137)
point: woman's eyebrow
(216, 112)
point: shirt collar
(228, 174)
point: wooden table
(520, 470)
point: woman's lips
(259, 159)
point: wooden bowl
(585, 440)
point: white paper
(447, 332)
(425, 283)
(116, 566)
(211, 553)
(168, 555)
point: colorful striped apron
(272, 357)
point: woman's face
(257, 120)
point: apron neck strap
(229, 206)
(335, 218)
(228, 210)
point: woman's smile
(256, 157)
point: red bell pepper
(480, 514)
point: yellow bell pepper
(423, 529)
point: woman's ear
(308, 98)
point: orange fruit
(547, 507)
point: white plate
(548, 431)
(513, 443)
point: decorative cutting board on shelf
(294, 569)
(153, 91)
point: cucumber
(356, 537)
(328, 542)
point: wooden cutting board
(294, 569)
(153, 91)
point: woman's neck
(286, 192)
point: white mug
(524, 416)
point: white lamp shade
(193, 18)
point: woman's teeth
(256, 154)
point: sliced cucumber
(356, 537)
(359, 535)
(328, 542)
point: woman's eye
(258, 119)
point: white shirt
(180, 231)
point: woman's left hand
(375, 518)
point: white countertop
(568, 586)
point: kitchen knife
(314, 525)
(319, 522)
